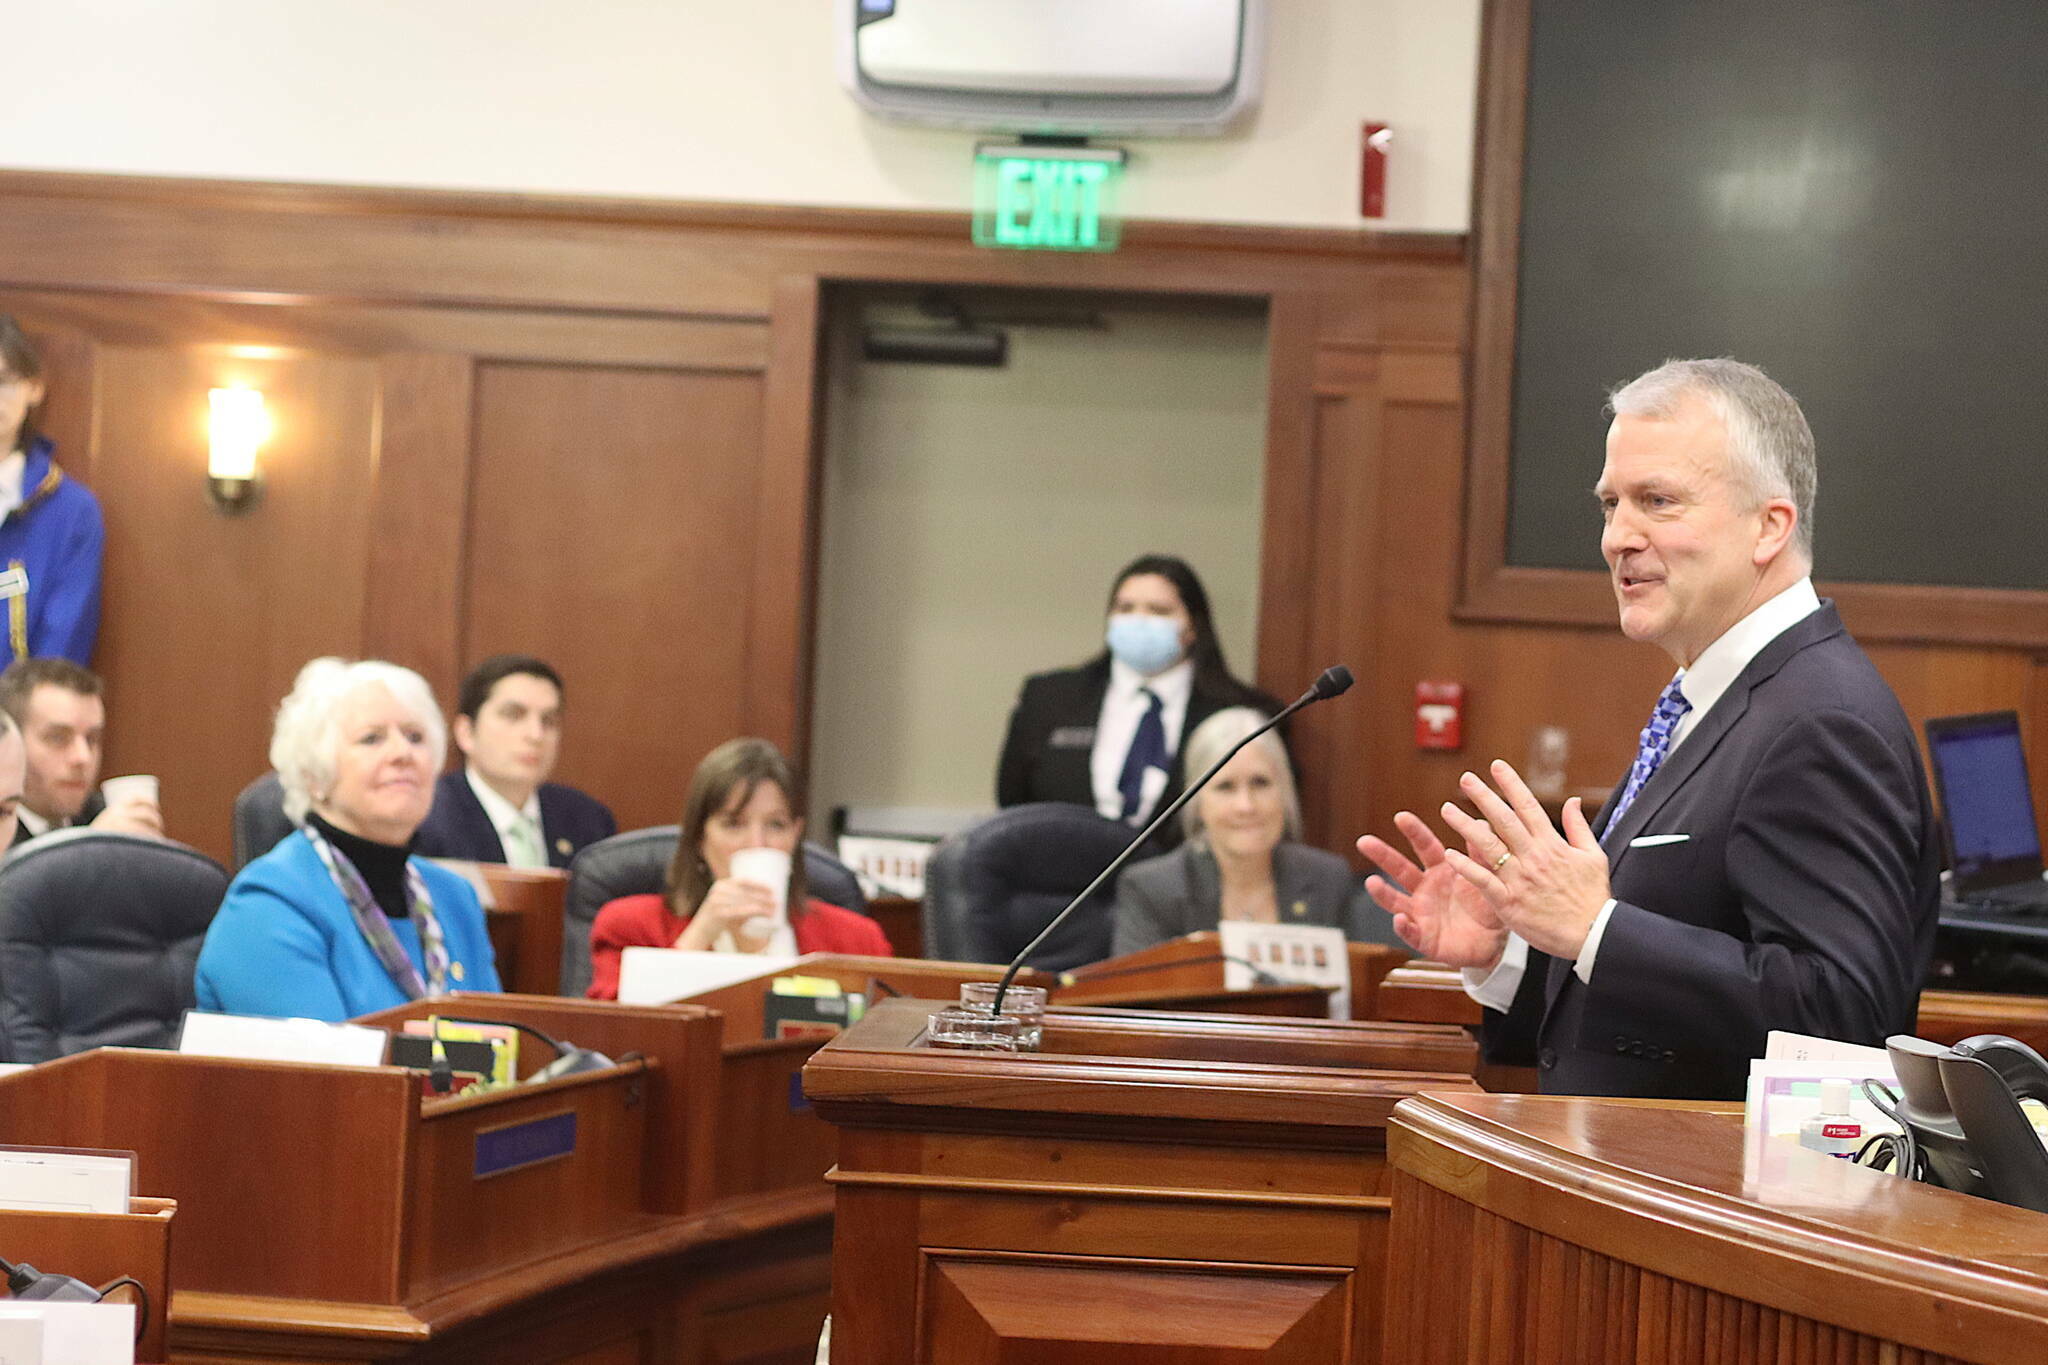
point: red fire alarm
(1439, 715)
(1372, 185)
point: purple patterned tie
(1654, 744)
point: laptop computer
(1987, 804)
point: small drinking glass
(971, 1030)
(1024, 1003)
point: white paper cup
(135, 787)
(764, 868)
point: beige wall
(686, 99)
(973, 520)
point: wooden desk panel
(902, 921)
(1951, 1016)
(218, 1148)
(682, 1129)
(525, 926)
(99, 1247)
(1111, 1198)
(1611, 1230)
(329, 1215)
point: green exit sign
(1047, 198)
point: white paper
(65, 1182)
(1780, 1046)
(655, 976)
(254, 1039)
(21, 1339)
(79, 1333)
(1293, 954)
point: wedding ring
(1501, 861)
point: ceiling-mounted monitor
(1076, 68)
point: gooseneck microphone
(1333, 682)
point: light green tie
(524, 848)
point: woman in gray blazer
(1242, 859)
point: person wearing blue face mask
(1107, 734)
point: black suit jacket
(1051, 741)
(458, 827)
(1778, 872)
(94, 804)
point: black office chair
(990, 889)
(260, 821)
(99, 934)
(636, 864)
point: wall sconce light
(238, 427)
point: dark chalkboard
(1852, 194)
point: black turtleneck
(382, 865)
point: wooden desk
(1186, 973)
(1541, 1229)
(1426, 993)
(902, 921)
(1951, 1016)
(98, 1247)
(525, 924)
(331, 1215)
(1150, 1187)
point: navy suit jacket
(1778, 872)
(457, 826)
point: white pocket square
(1658, 840)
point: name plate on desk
(515, 1146)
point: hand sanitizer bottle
(1832, 1130)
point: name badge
(1073, 737)
(14, 583)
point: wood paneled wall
(587, 429)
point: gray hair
(1213, 738)
(1770, 447)
(307, 736)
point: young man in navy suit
(1769, 863)
(500, 808)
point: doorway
(973, 514)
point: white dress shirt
(1709, 678)
(35, 824)
(1123, 706)
(12, 466)
(505, 818)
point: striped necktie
(523, 847)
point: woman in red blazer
(743, 795)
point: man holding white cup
(63, 719)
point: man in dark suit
(63, 718)
(500, 808)
(1770, 861)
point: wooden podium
(1542, 1229)
(1149, 1187)
(99, 1247)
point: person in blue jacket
(51, 534)
(340, 919)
